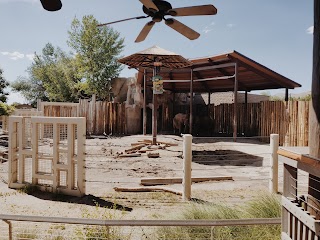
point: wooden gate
(47, 153)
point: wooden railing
(300, 201)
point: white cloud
(230, 25)
(207, 30)
(30, 56)
(310, 30)
(17, 55)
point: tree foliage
(52, 77)
(3, 85)
(55, 75)
(97, 51)
(6, 109)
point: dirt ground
(246, 161)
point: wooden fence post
(274, 146)
(187, 156)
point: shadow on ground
(224, 140)
(89, 200)
(226, 158)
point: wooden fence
(101, 117)
(288, 119)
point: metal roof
(216, 74)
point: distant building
(228, 97)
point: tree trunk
(314, 117)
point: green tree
(97, 51)
(53, 76)
(3, 85)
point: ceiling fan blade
(145, 31)
(127, 19)
(193, 11)
(149, 4)
(182, 29)
(51, 5)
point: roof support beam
(214, 67)
(224, 72)
(255, 70)
(203, 83)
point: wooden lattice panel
(54, 160)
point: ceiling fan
(158, 10)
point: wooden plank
(130, 155)
(126, 223)
(177, 180)
(138, 147)
(144, 189)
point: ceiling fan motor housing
(157, 16)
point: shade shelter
(230, 71)
(154, 60)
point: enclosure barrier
(12, 222)
(288, 119)
(300, 212)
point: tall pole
(154, 111)
(144, 103)
(191, 102)
(235, 112)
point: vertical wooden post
(314, 112)
(274, 145)
(55, 146)
(81, 144)
(209, 102)
(144, 103)
(21, 136)
(173, 105)
(35, 145)
(187, 156)
(235, 104)
(289, 191)
(191, 102)
(154, 112)
(286, 98)
(93, 114)
(12, 155)
(39, 104)
(246, 124)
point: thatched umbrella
(155, 58)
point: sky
(277, 34)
